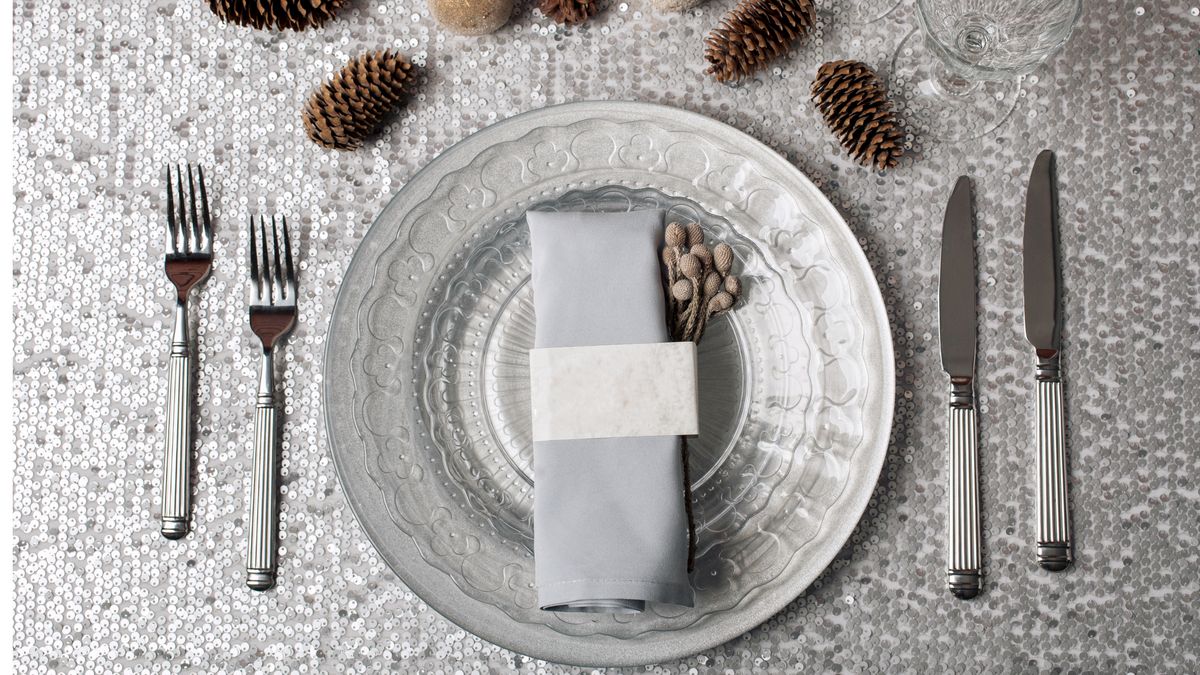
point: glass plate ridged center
(475, 377)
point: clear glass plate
(427, 392)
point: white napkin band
(614, 391)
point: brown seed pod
(723, 258)
(681, 290)
(670, 258)
(690, 267)
(706, 257)
(695, 235)
(733, 286)
(676, 235)
(712, 284)
(471, 17)
(720, 302)
(569, 12)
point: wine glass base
(937, 105)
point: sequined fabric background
(106, 93)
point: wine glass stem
(944, 82)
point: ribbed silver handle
(1054, 518)
(964, 573)
(264, 487)
(177, 464)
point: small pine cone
(755, 33)
(280, 14)
(352, 105)
(855, 105)
(569, 12)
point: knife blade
(1043, 326)
(1041, 257)
(956, 291)
(957, 334)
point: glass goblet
(957, 75)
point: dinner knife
(956, 329)
(1043, 323)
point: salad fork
(272, 315)
(188, 262)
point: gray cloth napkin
(610, 530)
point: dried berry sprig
(700, 280)
(700, 286)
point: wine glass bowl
(996, 40)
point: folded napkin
(610, 530)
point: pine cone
(281, 14)
(755, 33)
(855, 105)
(569, 12)
(352, 105)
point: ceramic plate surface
(427, 392)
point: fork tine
(268, 292)
(192, 204)
(174, 241)
(278, 263)
(254, 262)
(287, 253)
(182, 215)
(206, 223)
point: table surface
(107, 93)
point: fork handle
(264, 483)
(1054, 521)
(177, 465)
(964, 569)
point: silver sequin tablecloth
(106, 93)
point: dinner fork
(188, 261)
(272, 315)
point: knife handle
(1054, 516)
(964, 572)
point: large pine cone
(352, 105)
(569, 12)
(281, 14)
(755, 33)
(855, 105)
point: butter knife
(1043, 323)
(956, 328)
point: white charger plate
(426, 376)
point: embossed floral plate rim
(402, 553)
